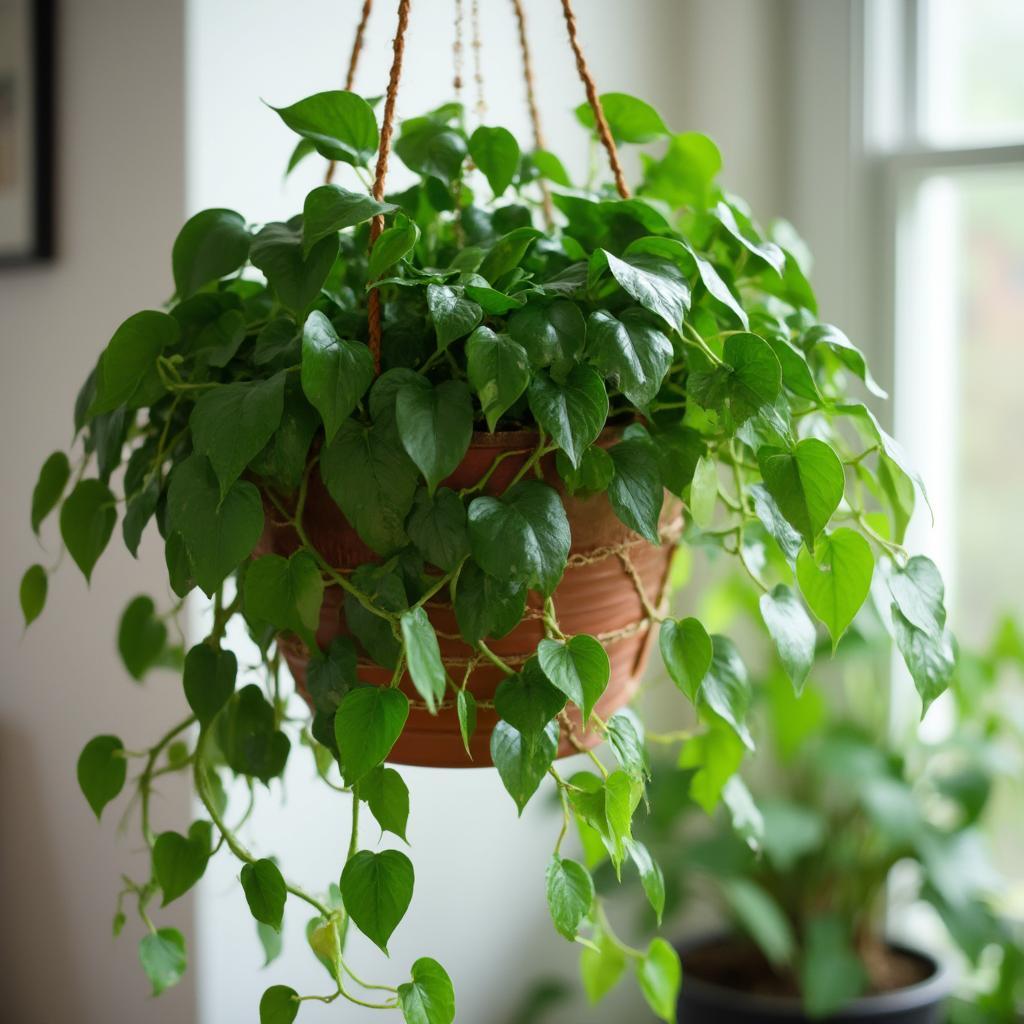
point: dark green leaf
(279, 1005)
(523, 536)
(453, 314)
(330, 208)
(102, 768)
(218, 535)
(791, 629)
(527, 701)
(579, 668)
(430, 148)
(232, 423)
(498, 369)
(335, 373)
(87, 520)
(726, 688)
(485, 606)
(180, 861)
(286, 592)
(654, 283)
(32, 593)
(630, 119)
(836, 579)
(496, 153)
(930, 657)
(429, 998)
(572, 411)
(340, 124)
(626, 735)
(551, 333)
(831, 974)
(507, 253)
(368, 722)
(775, 522)
(393, 245)
(330, 676)
(387, 796)
(162, 954)
(593, 476)
(437, 526)
(630, 350)
(211, 245)
(265, 891)
(141, 636)
(466, 708)
(660, 976)
(435, 424)
(248, 735)
(208, 680)
(570, 891)
(521, 761)
(295, 275)
(424, 658)
(687, 651)
(53, 478)
(377, 890)
(635, 490)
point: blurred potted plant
(432, 457)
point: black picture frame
(31, 189)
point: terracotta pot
(597, 595)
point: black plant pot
(707, 1002)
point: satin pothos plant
(670, 317)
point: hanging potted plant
(435, 458)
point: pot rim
(936, 987)
(528, 437)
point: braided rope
(353, 63)
(603, 131)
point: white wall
(121, 198)
(479, 904)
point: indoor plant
(323, 479)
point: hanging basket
(613, 580)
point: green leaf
(424, 658)
(271, 941)
(340, 124)
(836, 579)
(572, 411)
(832, 338)
(635, 491)
(550, 333)
(762, 918)
(330, 208)
(126, 374)
(431, 149)
(368, 722)
(141, 636)
(387, 796)
(595, 472)
(87, 520)
(429, 998)
(393, 245)
(792, 631)
(660, 975)
(631, 351)
(102, 768)
(601, 965)
(570, 892)
(621, 796)
(453, 314)
(687, 651)
(208, 680)
(496, 153)
(218, 535)
(626, 735)
(279, 1005)
(372, 481)
(330, 676)
(919, 593)
(465, 704)
(211, 245)
(717, 755)
(726, 687)
(651, 877)
(831, 974)
(507, 253)
(654, 283)
(180, 861)
(53, 478)
(437, 526)
(766, 252)
(579, 668)
(527, 700)
(746, 818)
(286, 592)
(162, 954)
(522, 762)
(930, 657)
(772, 519)
(704, 492)
(295, 275)
(630, 119)
(233, 422)
(523, 536)
(498, 369)
(265, 891)
(485, 606)
(806, 483)
(248, 735)
(435, 424)
(753, 376)
(549, 166)
(685, 175)
(32, 593)
(335, 373)
(377, 890)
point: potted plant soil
(434, 449)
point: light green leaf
(806, 483)
(919, 593)
(836, 579)
(102, 769)
(579, 667)
(87, 520)
(704, 492)
(496, 153)
(162, 954)
(601, 965)
(180, 861)
(630, 119)
(570, 892)
(523, 536)
(271, 941)
(424, 658)
(522, 762)
(340, 124)
(435, 424)
(761, 917)
(208, 680)
(429, 998)
(832, 338)
(631, 351)
(32, 593)
(141, 636)
(792, 631)
(660, 975)
(717, 755)
(573, 411)
(498, 369)
(211, 245)
(265, 891)
(687, 651)
(335, 373)
(685, 174)
(930, 657)
(330, 208)
(377, 890)
(651, 877)
(368, 722)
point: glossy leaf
(687, 651)
(341, 125)
(393, 245)
(429, 998)
(498, 370)
(424, 658)
(836, 579)
(635, 491)
(654, 283)
(572, 411)
(628, 349)
(330, 208)
(550, 333)
(454, 315)
(377, 889)
(660, 976)
(522, 762)
(570, 893)
(435, 424)
(579, 667)
(792, 631)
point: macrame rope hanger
(388, 126)
(353, 63)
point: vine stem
(146, 778)
(491, 656)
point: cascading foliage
(671, 314)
